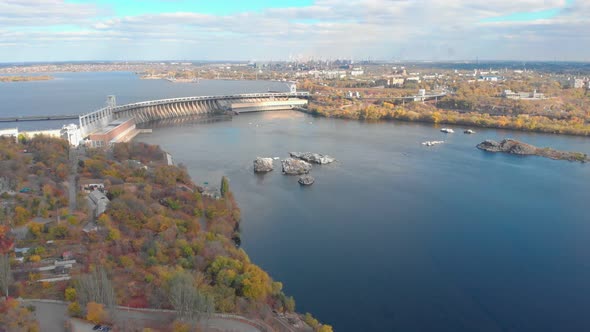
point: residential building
(357, 72)
(488, 78)
(98, 202)
(509, 94)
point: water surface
(400, 237)
(395, 236)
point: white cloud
(421, 29)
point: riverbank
(154, 234)
(10, 79)
(425, 113)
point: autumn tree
(186, 299)
(70, 294)
(256, 283)
(21, 215)
(290, 304)
(74, 309)
(6, 242)
(15, 317)
(95, 312)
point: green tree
(59, 232)
(224, 186)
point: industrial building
(120, 130)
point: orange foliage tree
(95, 312)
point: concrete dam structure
(155, 110)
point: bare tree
(189, 303)
(96, 287)
(5, 274)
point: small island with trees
(519, 148)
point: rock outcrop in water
(292, 166)
(306, 180)
(315, 158)
(516, 147)
(263, 165)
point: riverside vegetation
(24, 78)
(161, 243)
(477, 104)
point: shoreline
(22, 78)
(282, 319)
(423, 121)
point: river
(396, 236)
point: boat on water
(432, 143)
(469, 131)
(447, 130)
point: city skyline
(262, 30)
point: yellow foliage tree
(256, 285)
(114, 234)
(325, 328)
(70, 294)
(21, 215)
(74, 309)
(35, 229)
(34, 258)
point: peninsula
(516, 147)
(8, 79)
(135, 226)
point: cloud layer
(53, 30)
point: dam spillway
(163, 109)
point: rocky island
(315, 158)
(292, 166)
(263, 165)
(306, 180)
(516, 147)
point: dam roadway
(39, 118)
(155, 110)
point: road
(72, 180)
(52, 316)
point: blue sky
(56, 30)
(139, 7)
(530, 16)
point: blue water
(400, 237)
(77, 93)
(396, 236)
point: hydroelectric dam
(116, 123)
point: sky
(263, 30)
